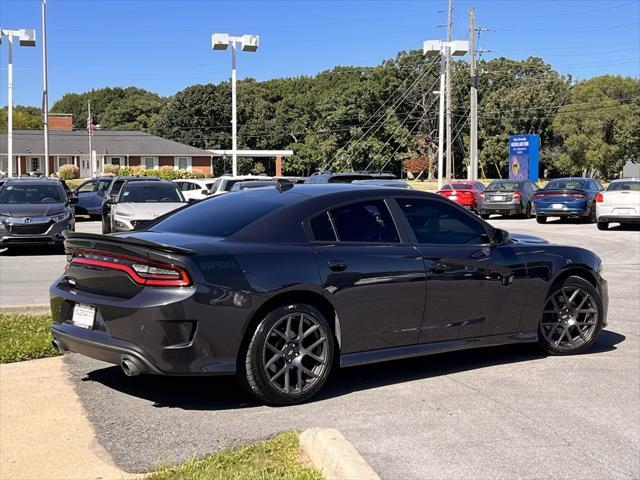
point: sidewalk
(45, 433)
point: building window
(117, 161)
(150, 163)
(34, 163)
(4, 164)
(64, 161)
(183, 163)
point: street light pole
(450, 170)
(234, 109)
(27, 38)
(473, 148)
(220, 41)
(441, 122)
(45, 89)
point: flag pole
(45, 90)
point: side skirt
(396, 353)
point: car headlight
(61, 216)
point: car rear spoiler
(69, 235)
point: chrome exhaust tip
(130, 367)
(57, 346)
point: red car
(463, 192)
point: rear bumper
(502, 208)
(567, 212)
(619, 218)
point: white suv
(226, 182)
(195, 188)
(619, 203)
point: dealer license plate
(83, 316)
(498, 198)
(557, 206)
(623, 211)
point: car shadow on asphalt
(223, 393)
(31, 252)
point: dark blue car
(567, 197)
(91, 195)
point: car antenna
(283, 185)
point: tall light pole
(220, 41)
(473, 133)
(438, 47)
(45, 89)
(27, 38)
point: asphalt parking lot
(491, 413)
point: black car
(334, 177)
(278, 286)
(508, 198)
(34, 212)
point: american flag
(91, 123)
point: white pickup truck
(619, 203)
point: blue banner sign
(524, 157)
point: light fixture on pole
(438, 47)
(249, 43)
(27, 38)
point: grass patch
(276, 458)
(25, 337)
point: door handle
(337, 265)
(437, 268)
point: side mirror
(110, 201)
(192, 200)
(500, 236)
(72, 200)
(204, 191)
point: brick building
(111, 147)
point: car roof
(152, 182)
(35, 180)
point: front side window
(365, 222)
(87, 186)
(103, 185)
(439, 223)
(25, 193)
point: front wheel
(106, 225)
(541, 219)
(572, 318)
(289, 356)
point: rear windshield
(624, 186)
(223, 215)
(458, 186)
(508, 186)
(25, 193)
(230, 183)
(560, 184)
(132, 193)
(347, 178)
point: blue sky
(164, 45)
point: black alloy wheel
(571, 319)
(289, 357)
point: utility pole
(90, 130)
(472, 173)
(45, 89)
(448, 91)
(441, 121)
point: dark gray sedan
(508, 198)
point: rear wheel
(603, 225)
(541, 219)
(527, 211)
(289, 356)
(485, 216)
(571, 319)
(592, 215)
(106, 225)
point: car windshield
(150, 194)
(630, 185)
(223, 215)
(458, 186)
(230, 183)
(508, 186)
(31, 193)
(565, 184)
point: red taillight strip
(181, 282)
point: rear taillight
(517, 196)
(141, 271)
(599, 197)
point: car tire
(289, 355)
(592, 215)
(603, 225)
(485, 216)
(541, 219)
(106, 227)
(527, 211)
(572, 317)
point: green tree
(23, 118)
(600, 126)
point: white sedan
(619, 203)
(195, 188)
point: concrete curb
(26, 309)
(331, 453)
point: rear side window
(103, 185)
(435, 222)
(322, 228)
(223, 215)
(365, 222)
